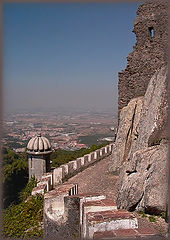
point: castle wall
(150, 51)
(59, 175)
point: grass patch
(163, 215)
(143, 214)
(152, 218)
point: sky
(65, 55)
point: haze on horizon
(65, 55)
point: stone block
(82, 162)
(72, 168)
(86, 160)
(49, 175)
(65, 170)
(108, 221)
(106, 150)
(95, 206)
(72, 214)
(86, 197)
(45, 181)
(101, 152)
(98, 154)
(79, 166)
(39, 189)
(92, 157)
(95, 155)
(110, 148)
(57, 176)
(56, 214)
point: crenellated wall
(59, 175)
(63, 214)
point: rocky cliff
(141, 147)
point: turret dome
(39, 145)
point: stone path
(97, 179)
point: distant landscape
(68, 130)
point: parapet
(59, 175)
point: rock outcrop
(140, 151)
(143, 181)
(127, 133)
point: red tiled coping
(137, 232)
(108, 215)
(103, 202)
(147, 231)
(39, 189)
(60, 190)
(47, 178)
(100, 235)
(42, 186)
(89, 194)
(85, 196)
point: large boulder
(142, 183)
(127, 133)
(140, 153)
(153, 123)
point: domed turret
(39, 150)
(39, 145)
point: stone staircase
(91, 216)
(100, 219)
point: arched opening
(152, 32)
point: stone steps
(108, 221)
(91, 215)
(95, 206)
(141, 233)
(102, 220)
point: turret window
(151, 31)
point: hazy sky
(65, 55)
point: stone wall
(150, 52)
(59, 175)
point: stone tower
(39, 150)
(149, 54)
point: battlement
(59, 175)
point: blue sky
(65, 55)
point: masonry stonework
(150, 51)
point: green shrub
(163, 215)
(152, 218)
(143, 213)
(15, 176)
(25, 193)
(24, 219)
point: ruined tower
(39, 150)
(150, 52)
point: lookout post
(38, 150)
